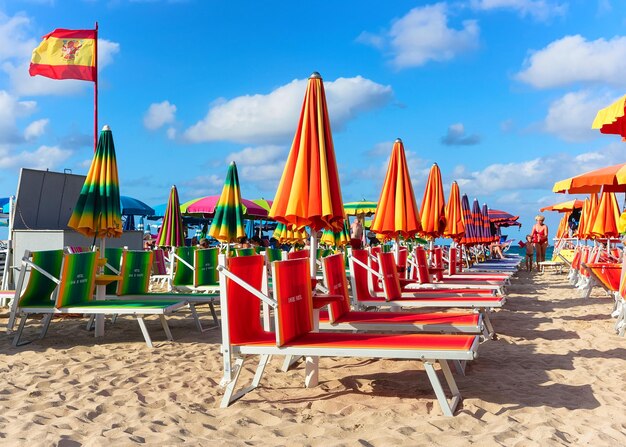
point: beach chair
(73, 293)
(341, 317)
(245, 252)
(620, 311)
(455, 269)
(243, 334)
(161, 272)
(135, 274)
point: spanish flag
(66, 54)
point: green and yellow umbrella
(227, 223)
(97, 212)
(336, 238)
(172, 233)
(364, 207)
(286, 234)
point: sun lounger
(244, 336)
(454, 271)
(70, 290)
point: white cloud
(14, 41)
(202, 185)
(456, 136)
(260, 165)
(570, 116)
(45, 157)
(11, 109)
(171, 133)
(159, 114)
(423, 35)
(272, 118)
(380, 149)
(35, 129)
(574, 59)
(537, 9)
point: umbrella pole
(397, 250)
(313, 254)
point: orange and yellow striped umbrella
(593, 212)
(582, 222)
(611, 179)
(607, 217)
(563, 230)
(397, 213)
(455, 228)
(564, 207)
(286, 234)
(433, 210)
(309, 193)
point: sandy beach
(555, 376)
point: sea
(516, 249)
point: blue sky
(500, 93)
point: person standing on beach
(530, 251)
(540, 238)
(356, 233)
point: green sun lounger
(67, 287)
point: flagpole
(95, 93)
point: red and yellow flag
(66, 54)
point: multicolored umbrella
(336, 238)
(227, 225)
(564, 207)
(470, 236)
(486, 224)
(610, 120)
(286, 234)
(97, 212)
(397, 214)
(207, 206)
(309, 193)
(605, 224)
(610, 179)
(172, 233)
(503, 219)
(364, 207)
(433, 210)
(455, 228)
(477, 222)
(263, 203)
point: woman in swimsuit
(540, 238)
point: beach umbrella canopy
(503, 219)
(563, 230)
(286, 234)
(309, 193)
(364, 207)
(468, 222)
(455, 228)
(207, 206)
(486, 224)
(134, 207)
(582, 222)
(337, 238)
(433, 209)
(610, 179)
(227, 225)
(4, 204)
(397, 213)
(97, 212)
(610, 120)
(564, 207)
(171, 233)
(607, 217)
(263, 203)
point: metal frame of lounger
(106, 307)
(232, 370)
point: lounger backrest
(159, 264)
(299, 254)
(391, 282)
(205, 267)
(421, 260)
(78, 279)
(622, 281)
(245, 252)
(438, 262)
(608, 273)
(39, 289)
(244, 309)
(373, 263)
(403, 255)
(359, 276)
(183, 275)
(114, 259)
(135, 272)
(452, 261)
(337, 284)
(273, 254)
(292, 291)
(584, 259)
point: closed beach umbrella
(582, 222)
(564, 207)
(363, 207)
(309, 193)
(486, 224)
(468, 223)
(563, 230)
(227, 225)
(607, 217)
(593, 212)
(610, 120)
(397, 214)
(455, 228)
(336, 238)
(433, 209)
(286, 234)
(171, 233)
(97, 212)
(477, 222)
(610, 179)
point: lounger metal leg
(258, 375)
(460, 365)
(20, 328)
(46, 324)
(90, 322)
(488, 325)
(311, 378)
(230, 386)
(114, 318)
(196, 319)
(446, 407)
(144, 331)
(166, 328)
(99, 331)
(214, 315)
(290, 360)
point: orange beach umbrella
(455, 228)
(610, 120)
(607, 217)
(432, 212)
(397, 214)
(582, 222)
(611, 179)
(563, 230)
(564, 207)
